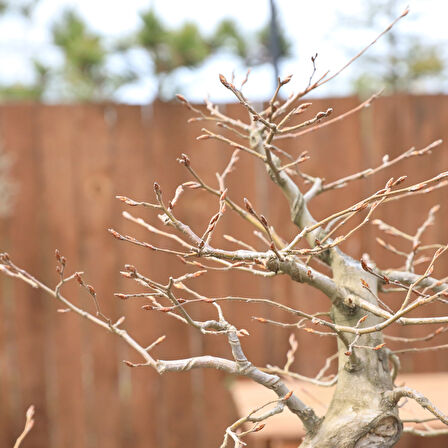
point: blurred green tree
(85, 73)
(170, 49)
(403, 63)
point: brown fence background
(70, 162)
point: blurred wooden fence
(70, 162)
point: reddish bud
(79, 278)
(184, 160)
(121, 296)
(287, 396)
(390, 183)
(131, 268)
(165, 309)
(365, 284)
(224, 81)
(115, 234)
(379, 346)
(362, 319)
(91, 290)
(57, 255)
(181, 98)
(260, 319)
(263, 220)
(400, 180)
(157, 188)
(328, 112)
(364, 266)
(248, 206)
(418, 187)
(129, 363)
(259, 427)
(4, 258)
(286, 80)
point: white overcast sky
(313, 26)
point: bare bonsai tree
(363, 411)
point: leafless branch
(29, 423)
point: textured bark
(357, 416)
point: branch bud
(363, 318)
(184, 160)
(79, 278)
(249, 207)
(399, 180)
(4, 258)
(262, 320)
(224, 81)
(121, 296)
(130, 268)
(286, 80)
(115, 234)
(181, 98)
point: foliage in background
(185, 46)
(94, 67)
(403, 63)
(86, 73)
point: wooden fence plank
(94, 169)
(29, 308)
(58, 129)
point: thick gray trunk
(357, 416)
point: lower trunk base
(356, 431)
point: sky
(312, 26)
